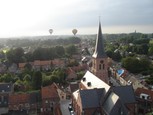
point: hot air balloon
(74, 31)
(50, 31)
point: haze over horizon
(36, 17)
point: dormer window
(84, 79)
(89, 84)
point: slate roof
(126, 93)
(6, 87)
(99, 48)
(90, 98)
(113, 105)
(110, 101)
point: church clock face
(101, 61)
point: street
(64, 107)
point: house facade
(5, 90)
(44, 65)
(144, 98)
(50, 99)
(24, 101)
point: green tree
(135, 65)
(117, 56)
(55, 78)
(6, 78)
(37, 80)
(47, 81)
(150, 50)
(15, 55)
(71, 49)
(131, 63)
(60, 51)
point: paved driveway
(64, 107)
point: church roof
(99, 48)
(90, 98)
(94, 80)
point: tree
(15, 55)
(109, 53)
(135, 65)
(37, 80)
(58, 76)
(71, 49)
(28, 66)
(47, 81)
(60, 51)
(131, 63)
(55, 78)
(7, 78)
(117, 56)
(29, 56)
(150, 50)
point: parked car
(72, 112)
(70, 108)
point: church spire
(99, 48)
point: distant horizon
(36, 17)
(67, 35)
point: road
(64, 107)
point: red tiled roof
(70, 70)
(42, 63)
(57, 62)
(21, 65)
(145, 91)
(49, 91)
(18, 98)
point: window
(103, 66)
(100, 66)
(143, 97)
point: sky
(36, 17)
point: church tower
(99, 58)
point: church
(95, 96)
(99, 64)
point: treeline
(18, 55)
(42, 42)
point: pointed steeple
(99, 48)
